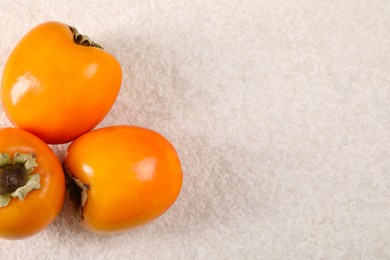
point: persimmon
(32, 184)
(58, 83)
(121, 177)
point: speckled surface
(279, 111)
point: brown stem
(77, 193)
(83, 40)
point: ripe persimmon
(32, 184)
(58, 84)
(121, 177)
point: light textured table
(279, 110)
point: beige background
(280, 112)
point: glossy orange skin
(55, 88)
(21, 219)
(134, 175)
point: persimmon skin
(24, 218)
(133, 176)
(55, 88)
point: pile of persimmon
(57, 86)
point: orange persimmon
(121, 177)
(58, 84)
(32, 184)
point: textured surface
(280, 112)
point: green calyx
(16, 178)
(83, 40)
